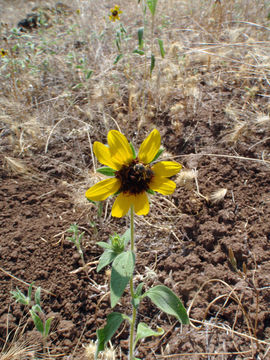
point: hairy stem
(134, 312)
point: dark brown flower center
(135, 178)
(115, 13)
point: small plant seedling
(76, 239)
(42, 324)
(99, 204)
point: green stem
(134, 312)
(132, 227)
(152, 33)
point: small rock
(66, 329)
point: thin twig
(24, 282)
(221, 155)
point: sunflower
(133, 176)
(3, 52)
(115, 13)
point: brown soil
(185, 244)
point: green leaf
(139, 289)
(79, 239)
(117, 243)
(20, 297)
(37, 321)
(152, 4)
(30, 291)
(161, 48)
(150, 191)
(166, 300)
(105, 170)
(37, 308)
(89, 74)
(78, 86)
(136, 51)
(37, 296)
(47, 326)
(114, 320)
(111, 250)
(153, 62)
(104, 245)
(123, 29)
(118, 57)
(71, 239)
(73, 228)
(136, 301)
(92, 201)
(133, 150)
(122, 270)
(140, 38)
(106, 258)
(118, 43)
(144, 331)
(126, 236)
(160, 151)
(137, 298)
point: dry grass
(46, 96)
(15, 348)
(224, 44)
(18, 351)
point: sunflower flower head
(115, 13)
(132, 176)
(3, 52)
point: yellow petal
(141, 204)
(103, 189)
(124, 201)
(162, 185)
(149, 147)
(103, 155)
(119, 148)
(166, 168)
(121, 205)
